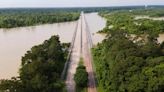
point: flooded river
(15, 42)
(147, 17)
(161, 36)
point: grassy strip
(81, 89)
(80, 76)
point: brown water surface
(15, 42)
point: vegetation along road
(81, 48)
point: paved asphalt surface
(81, 48)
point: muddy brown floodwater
(15, 42)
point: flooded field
(147, 17)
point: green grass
(80, 89)
(81, 61)
(100, 89)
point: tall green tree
(41, 69)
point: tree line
(29, 17)
(126, 20)
(20, 17)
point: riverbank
(31, 17)
(16, 41)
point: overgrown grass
(81, 61)
(100, 88)
(80, 88)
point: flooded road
(15, 42)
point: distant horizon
(75, 3)
(86, 6)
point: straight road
(74, 59)
(81, 48)
(86, 49)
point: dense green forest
(40, 70)
(19, 17)
(29, 17)
(124, 63)
(127, 20)
(152, 12)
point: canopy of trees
(81, 77)
(19, 17)
(126, 20)
(41, 69)
(124, 65)
(10, 18)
